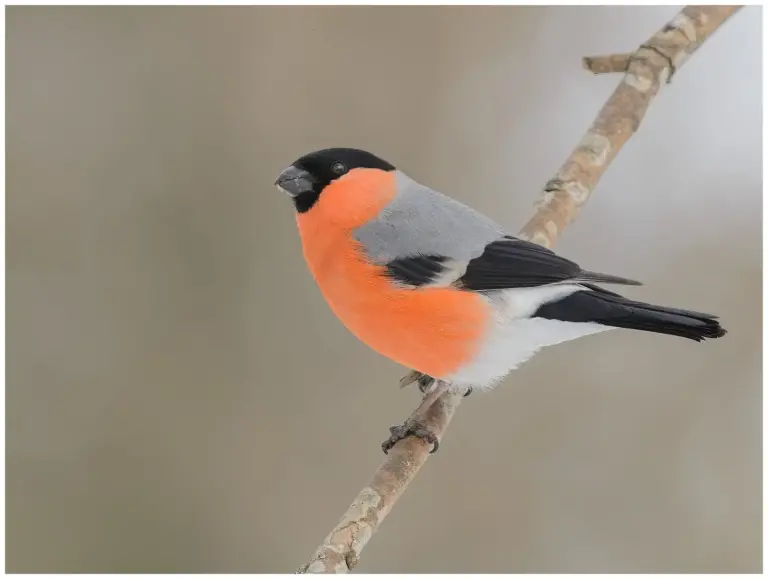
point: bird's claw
(410, 428)
(468, 392)
(410, 378)
(426, 383)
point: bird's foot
(426, 383)
(410, 427)
(410, 378)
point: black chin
(305, 201)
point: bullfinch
(440, 288)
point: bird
(440, 288)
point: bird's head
(307, 178)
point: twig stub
(606, 64)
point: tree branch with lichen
(645, 72)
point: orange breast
(434, 330)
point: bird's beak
(294, 181)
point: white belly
(515, 336)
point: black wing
(504, 264)
(515, 263)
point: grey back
(421, 221)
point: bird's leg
(414, 425)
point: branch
(652, 65)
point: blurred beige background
(180, 398)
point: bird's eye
(338, 168)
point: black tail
(610, 309)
